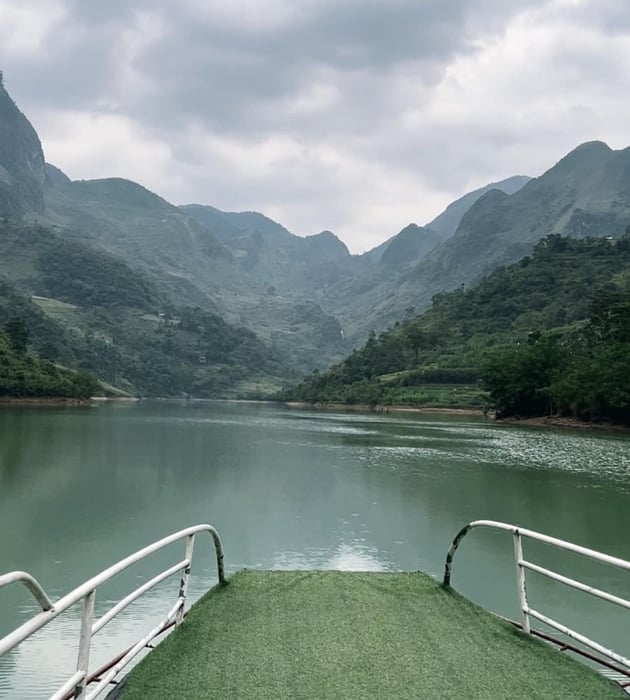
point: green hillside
(584, 194)
(24, 375)
(89, 310)
(117, 269)
(199, 256)
(548, 334)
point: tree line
(548, 334)
(23, 374)
(584, 373)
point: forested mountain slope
(130, 264)
(90, 310)
(24, 375)
(236, 274)
(320, 266)
(587, 193)
(548, 333)
(299, 295)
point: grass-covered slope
(576, 291)
(319, 635)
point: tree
(416, 338)
(17, 331)
(610, 315)
(520, 377)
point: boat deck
(314, 634)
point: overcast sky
(357, 116)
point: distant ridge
(307, 298)
(585, 194)
(447, 222)
(22, 174)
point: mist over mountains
(169, 300)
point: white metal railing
(521, 565)
(76, 685)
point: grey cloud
(581, 66)
(610, 16)
(223, 76)
(61, 84)
(112, 11)
(220, 74)
(75, 67)
(377, 58)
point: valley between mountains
(516, 297)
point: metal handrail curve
(522, 565)
(86, 592)
(31, 584)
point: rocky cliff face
(22, 174)
(584, 194)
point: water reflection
(349, 555)
(46, 660)
(356, 556)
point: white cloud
(544, 86)
(91, 145)
(24, 27)
(146, 30)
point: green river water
(81, 488)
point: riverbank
(60, 401)
(565, 422)
(367, 408)
(44, 401)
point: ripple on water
(599, 456)
(596, 455)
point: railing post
(218, 548)
(451, 553)
(520, 581)
(76, 685)
(85, 640)
(183, 584)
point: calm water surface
(81, 488)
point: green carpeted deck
(352, 635)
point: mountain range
(296, 304)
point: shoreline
(43, 401)
(59, 401)
(384, 409)
(565, 423)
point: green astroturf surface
(315, 634)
